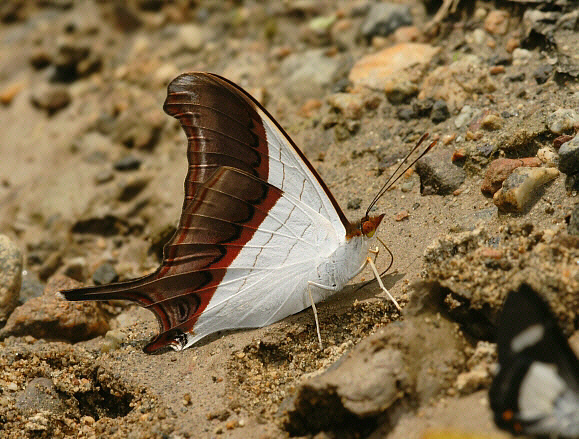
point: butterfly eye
(368, 228)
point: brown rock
(407, 34)
(402, 215)
(497, 22)
(497, 70)
(52, 317)
(405, 61)
(310, 107)
(558, 141)
(500, 169)
(458, 155)
(512, 44)
(411, 360)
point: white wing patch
(529, 337)
(288, 172)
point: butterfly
(536, 390)
(260, 235)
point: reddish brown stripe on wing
(193, 262)
(230, 196)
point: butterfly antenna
(396, 175)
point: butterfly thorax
(336, 270)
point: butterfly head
(369, 225)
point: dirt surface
(91, 183)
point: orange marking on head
(370, 225)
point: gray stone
(393, 364)
(542, 74)
(562, 120)
(105, 274)
(573, 227)
(438, 175)
(354, 203)
(309, 73)
(128, 163)
(439, 112)
(10, 276)
(464, 117)
(40, 395)
(385, 18)
(569, 156)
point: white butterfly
(260, 236)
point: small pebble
(354, 203)
(548, 156)
(497, 22)
(521, 56)
(497, 70)
(542, 74)
(77, 269)
(464, 117)
(402, 215)
(438, 175)
(127, 163)
(562, 120)
(439, 112)
(385, 18)
(105, 274)
(492, 122)
(51, 98)
(458, 155)
(8, 94)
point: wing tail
(129, 290)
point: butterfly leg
(315, 315)
(377, 275)
(323, 287)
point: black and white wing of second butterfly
(536, 389)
